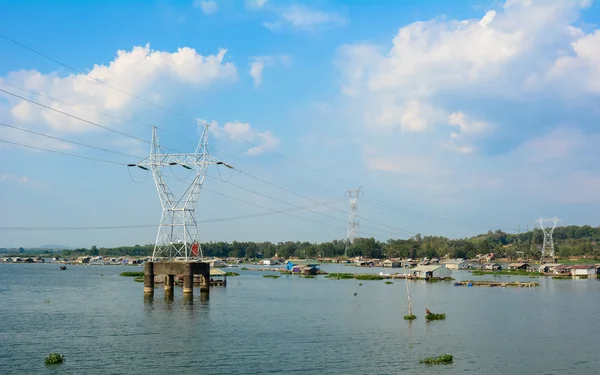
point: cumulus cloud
(258, 63)
(261, 141)
(139, 72)
(19, 180)
(303, 18)
(473, 92)
(208, 7)
(255, 4)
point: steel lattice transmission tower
(353, 224)
(177, 232)
(548, 226)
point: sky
(454, 118)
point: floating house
(456, 264)
(519, 266)
(550, 267)
(216, 263)
(83, 260)
(438, 271)
(296, 265)
(391, 263)
(583, 270)
(492, 267)
(218, 277)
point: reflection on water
(107, 325)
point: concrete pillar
(169, 282)
(149, 278)
(205, 281)
(204, 296)
(169, 294)
(188, 279)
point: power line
(73, 116)
(87, 75)
(294, 205)
(334, 208)
(66, 141)
(60, 152)
(145, 124)
(107, 227)
(170, 111)
(215, 192)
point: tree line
(568, 241)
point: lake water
(103, 325)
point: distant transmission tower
(548, 226)
(177, 232)
(353, 225)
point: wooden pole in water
(407, 290)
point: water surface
(103, 325)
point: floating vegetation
(442, 359)
(359, 284)
(410, 317)
(101, 274)
(388, 282)
(272, 276)
(139, 279)
(307, 276)
(432, 316)
(337, 276)
(369, 277)
(561, 277)
(582, 277)
(132, 274)
(231, 273)
(54, 359)
(46, 301)
(244, 268)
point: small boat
(62, 268)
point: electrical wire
(109, 227)
(66, 141)
(172, 112)
(62, 153)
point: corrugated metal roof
(428, 268)
(217, 272)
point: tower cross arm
(162, 160)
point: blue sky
(454, 117)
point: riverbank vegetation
(569, 241)
(231, 273)
(54, 359)
(442, 359)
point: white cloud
(142, 72)
(20, 180)
(497, 55)
(303, 18)
(208, 7)
(261, 141)
(258, 63)
(437, 94)
(255, 4)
